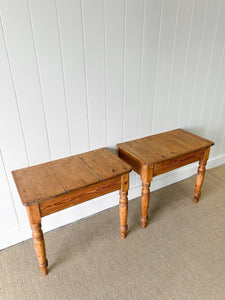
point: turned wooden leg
(145, 196)
(146, 176)
(123, 213)
(38, 238)
(123, 206)
(39, 246)
(200, 176)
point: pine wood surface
(45, 181)
(154, 155)
(47, 188)
(164, 146)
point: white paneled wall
(77, 75)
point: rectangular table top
(45, 181)
(157, 148)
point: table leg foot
(144, 221)
(44, 267)
(123, 231)
(195, 200)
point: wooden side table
(53, 186)
(154, 155)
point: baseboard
(13, 237)
(97, 205)
(216, 161)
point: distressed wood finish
(47, 188)
(154, 155)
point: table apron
(136, 165)
(70, 199)
(177, 162)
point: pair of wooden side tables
(56, 185)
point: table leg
(145, 197)
(38, 238)
(123, 206)
(200, 176)
(146, 178)
(39, 246)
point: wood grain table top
(45, 181)
(157, 148)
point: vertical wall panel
(12, 142)
(19, 40)
(94, 43)
(114, 34)
(6, 204)
(219, 134)
(212, 72)
(151, 30)
(185, 15)
(217, 105)
(221, 150)
(221, 139)
(46, 38)
(191, 62)
(167, 35)
(134, 12)
(203, 62)
(71, 37)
